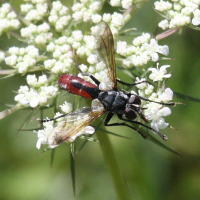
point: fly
(105, 96)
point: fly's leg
(87, 74)
(48, 120)
(108, 118)
(131, 84)
(143, 98)
(167, 104)
(164, 137)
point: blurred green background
(150, 171)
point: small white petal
(167, 76)
(89, 130)
(169, 93)
(165, 111)
(161, 123)
(39, 142)
(154, 125)
(104, 86)
(154, 57)
(34, 102)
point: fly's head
(133, 109)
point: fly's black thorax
(113, 101)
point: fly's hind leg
(108, 118)
(164, 137)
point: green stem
(9, 111)
(111, 161)
(128, 14)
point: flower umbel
(53, 39)
(178, 13)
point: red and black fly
(106, 97)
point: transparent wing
(72, 125)
(105, 49)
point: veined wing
(73, 124)
(105, 49)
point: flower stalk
(113, 167)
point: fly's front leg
(167, 104)
(131, 84)
(146, 99)
(108, 118)
(87, 74)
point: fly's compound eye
(130, 114)
(134, 100)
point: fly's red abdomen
(78, 86)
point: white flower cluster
(87, 10)
(62, 55)
(2, 56)
(153, 111)
(66, 107)
(37, 93)
(35, 10)
(124, 3)
(59, 16)
(97, 68)
(115, 22)
(52, 131)
(84, 45)
(178, 13)
(8, 19)
(143, 50)
(37, 35)
(62, 44)
(22, 59)
(87, 46)
(61, 49)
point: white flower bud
(107, 17)
(96, 18)
(92, 59)
(66, 107)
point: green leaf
(194, 27)
(105, 131)
(157, 142)
(52, 157)
(186, 97)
